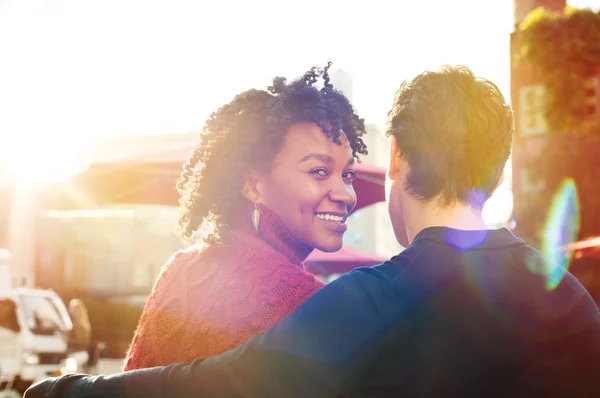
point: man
(463, 311)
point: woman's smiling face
(309, 186)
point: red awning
(151, 179)
(584, 248)
(342, 261)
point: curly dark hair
(246, 134)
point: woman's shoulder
(196, 258)
(239, 255)
(200, 263)
(185, 269)
(228, 269)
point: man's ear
(251, 188)
(395, 159)
(500, 181)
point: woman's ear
(250, 189)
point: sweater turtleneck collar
(271, 230)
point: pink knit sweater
(207, 301)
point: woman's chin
(330, 247)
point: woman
(270, 181)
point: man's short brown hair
(455, 131)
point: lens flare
(562, 227)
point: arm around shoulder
(313, 352)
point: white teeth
(330, 217)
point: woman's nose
(343, 193)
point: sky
(72, 71)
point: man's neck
(418, 216)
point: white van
(34, 332)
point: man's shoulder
(389, 270)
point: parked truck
(34, 333)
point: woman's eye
(319, 172)
(350, 175)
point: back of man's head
(455, 132)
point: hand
(51, 388)
(40, 389)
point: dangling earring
(256, 217)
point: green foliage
(565, 49)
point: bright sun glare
(29, 161)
